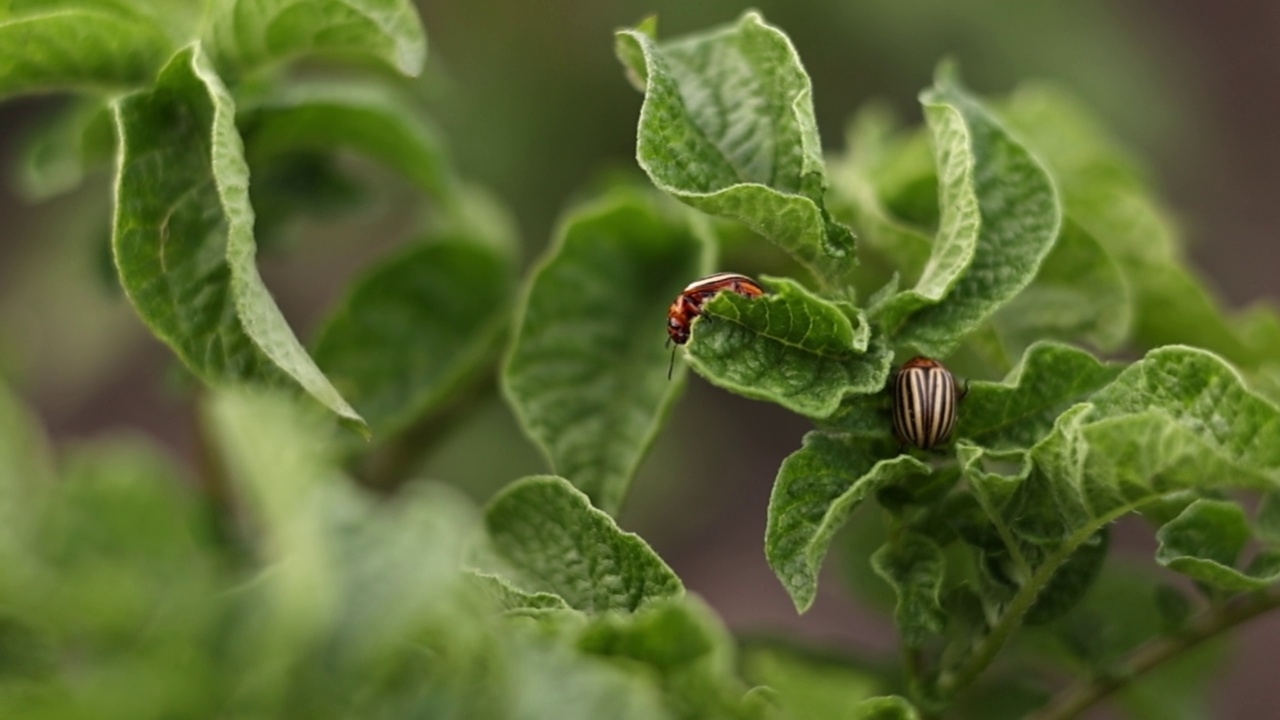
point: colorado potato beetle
(688, 304)
(924, 403)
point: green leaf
(98, 47)
(282, 462)
(400, 571)
(1079, 294)
(63, 150)
(960, 221)
(914, 566)
(559, 682)
(902, 167)
(309, 184)
(888, 707)
(1024, 508)
(123, 530)
(1018, 411)
(1120, 614)
(587, 370)
(1180, 418)
(1105, 193)
(550, 533)
(414, 327)
(1072, 580)
(727, 126)
(1020, 219)
(684, 645)
(509, 597)
(369, 119)
(183, 237)
(352, 588)
(631, 55)
(856, 186)
(809, 688)
(126, 581)
(1206, 540)
(1185, 415)
(249, 34)
(817, 488)
(790, 347)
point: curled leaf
(727, 126)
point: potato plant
(306, 574)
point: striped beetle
(688, 304)
(924, 403)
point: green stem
(211, 477)
(1011, 620)
(913, 670)
(1084, 694)
(1006, 536)
(387, 467)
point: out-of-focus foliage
(1008, 233)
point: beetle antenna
(672, 366)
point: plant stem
(1011, 619)
(389, 466)
(211, 476)
(1084, 694)
(913, 670)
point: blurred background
(533, 105)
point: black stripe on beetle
(924, 403)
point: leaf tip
(649, 27)
(947, 74)
(752, 17)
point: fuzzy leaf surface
(727, 126)
(183, 237)
(248, 34)
(1021, 409)
(960, 220)
(913, 565)
(587, 369)
(790, 347)
(1205, 543)
(511, 598)
(1072, 581)
(1187, 416)
(1178, 419)
(816, 490)
(1020, 220)
(549, 532)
